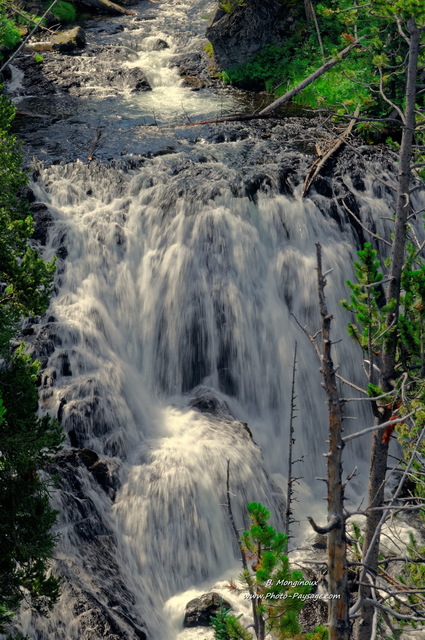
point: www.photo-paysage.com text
(289, 583)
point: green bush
(64, 12)
(9, 32)
(277, 593)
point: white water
(172, 282)
(159, 294)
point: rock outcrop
(245, 28)
(199, 610)
(69, 40)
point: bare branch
(309, 336)
(375, 235)
(387, 100)
(333, 524)
(395, 614)
(370, 398)
(376, 427)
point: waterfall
(168, 346)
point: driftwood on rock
(106, 6)
(322, 159)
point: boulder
(243, 29)
(199, 610)
(69, 40)
(206, 401)
(159, 45)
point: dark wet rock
(254, 182)
(137, 80)
(42, 222)
(159, 45)
(108, 611)
(320, 542)
(62, 252)
(46, 340)
(64, 364)
(104, 26)
(62, 403)
(88, 457)
(69, 40)
(238, 35)
(195, 69)
(104, 471)
(199, 610)
(207, 402)
(48, 377)
(323, 186)
(28, 194)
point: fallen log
(287, 97)
(106, 6)
(319, 163)
(311, 78)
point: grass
(278, 68)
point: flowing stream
(183, 258)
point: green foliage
(364, 301)
(209, 49)
(65, 12)
(276, 588)
(27, 278)
(414, 573)
(319, 633)
(38, 58)
(355, 80)
(27, 442)
(227, 7)
(227, 627)
(370, 330)
(9, 32)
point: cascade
(167, 349)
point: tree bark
(338, 606)
(379, 450)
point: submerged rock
(159, 45)
(199, 610)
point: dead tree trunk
(379, 449)
(338, 611)
(291, 462)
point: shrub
(9, 32)
(64, 12)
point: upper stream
(184, 257)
